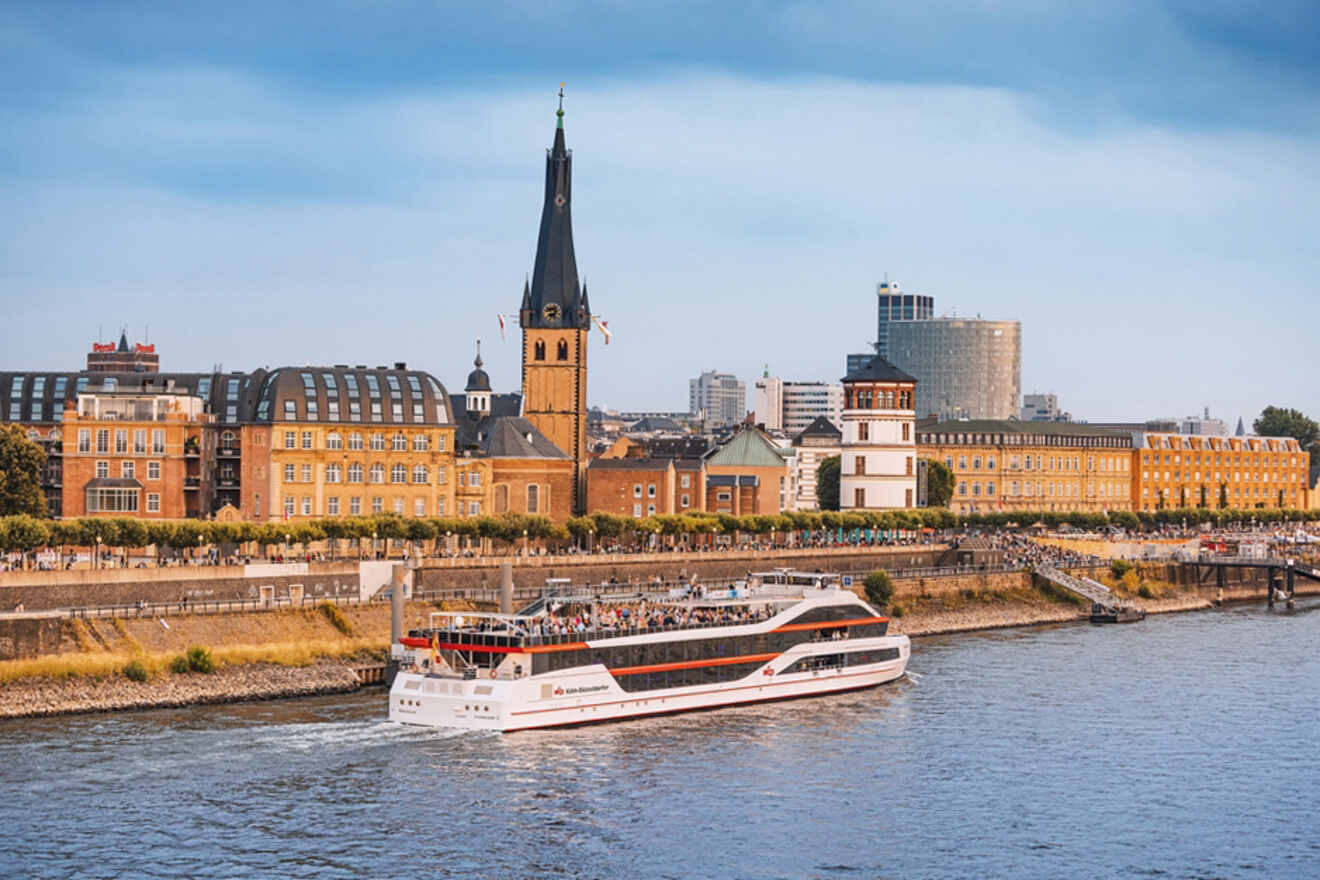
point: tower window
(561, 350)
(539, 350)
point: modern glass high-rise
(893, 305)
(966, 368)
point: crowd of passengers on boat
(644, 616)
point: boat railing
(491, 639)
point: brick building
(878, 467)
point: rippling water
(1183, 746)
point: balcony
(227, 452)
(192, 484)
(227, 483)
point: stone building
(818, 442)
(1177, 470)
(878, 465)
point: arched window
(421, 474)
(227, 438)
(378, 442)
(561, 350)
(355, 473)
(55, 434)
(34, 434)
(539, 350)
(378, 473)
(334, 441)
(399, 474)
(332, 473)
(399, 443)
(421, 443)
(355, 440)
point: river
(1182, 746)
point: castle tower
(556, 318)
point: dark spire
(477, 380)
(585, 306)
(527, 296)
(554, 298)
(123, 340)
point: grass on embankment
(102, 663)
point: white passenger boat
(578, 659)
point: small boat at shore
(1116, 613)
(583, 659)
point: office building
(792, 406)
(717, 398)
(965, 368)
(1043, 408)
(893, 305)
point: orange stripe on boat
(693, 664)
(830, 624)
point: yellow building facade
(1008, 465)
(1178, 470)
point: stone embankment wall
(40, 590)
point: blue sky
(1136, 181)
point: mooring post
(396, 604)
(1269, 585)
(506, 588)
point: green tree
(939, 483)
(1223, 495)
(879, 588)
(21, 462)
(1276, 421)
(827, 483)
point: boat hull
(590, 694)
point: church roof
(477, 380)
(507, 437)
(554, 298)
(877, 369)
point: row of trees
(26, 533)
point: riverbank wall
(345, 579)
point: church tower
(556, 318)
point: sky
(259, 184)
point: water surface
(1182, 746)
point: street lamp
(591, 534)
(448, 548)
(96, 560)
(373, 543)
(527, 550)
(199, 550)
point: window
(441, 476)
(291, 410)
(306, 439)
(288, 505)
(121, 442)
(863, 430)
(112, 500)
(976, 462)
(84, 440)
(126, 469)
(377, 504)
(290, 440)
(637, 511)
(378, 442)
(355, 473)
(440, 443)
(650, 490)
(355, 505)
(153, 470)
(421, 443)
(332, 505)
(719, 496)
(419, 507)
(420, 475)
(962, 462)
(907, 427)
(102, 441)
(650, 510)
(399, 443)
(859, 497)
(962, 488)
(533, 498)
(102, 469)
(990, 488)
(307, 505)
(538, 350)
(439, 507)
(418, 411)
(378, 473)
(140, 441)
(859, 465)
(288, 473)
(909, 465)
(305, 473)
(684, 500)
(976, 490)
(399, 474)
(396, 411)
(355, 440)
(334, 441)
(990, 463)
(158, 441)
(685, 481)
(474, 508)
(475, 479)
(637, 490)
(153, 502)
(462, 479)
